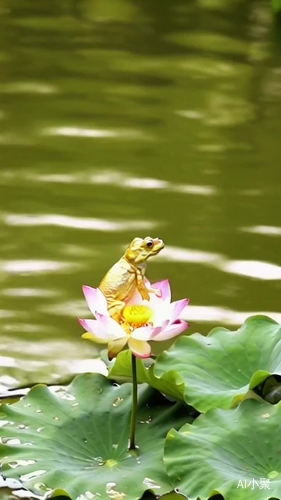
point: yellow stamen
(137, 315)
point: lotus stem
(132, 442)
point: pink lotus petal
(113, 329)
(103, 327)
(160, 308)
(176, 309)
(164, 287)
(143, 333)
(172, 330)
(93, 326)
(135, 298)
(160, 328)
(95, 299)
(139, 348)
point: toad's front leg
(143, 289)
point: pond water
(121, 119)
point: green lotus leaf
(234, 452)
(213, 371)
(74, 441)
(170, 382)
(218, 370)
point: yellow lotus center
(137, 315)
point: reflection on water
(254, 269)
(94, 133)
(76, 222)
(23, 362)
(128, 119)
(80, 132)
(267, 230)
(220, 315)
(29, 292)
(27, 88)
(33, 266)
(112, 178)
(178, 254)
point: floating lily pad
(213, 371)
(218, 370)
(75, 441)
(235, 453)
(170, 382)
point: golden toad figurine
(128, 275)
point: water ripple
(179, 254)
(253, 269)
(35, 266)
(29, 292)
(93, 224)
(265, 230)
(221, 315)
(113, 178)
(94, 133)
(145, 183)
(27, 88)
(249, 268)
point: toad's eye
(149, 244)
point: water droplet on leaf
(117, 401)
(11, 441)
(42, 487)
(150, 483)
(3, 422)
(100, 461)
(113, 493)
(32, 475)
(20, 463)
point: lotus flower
(142, 320)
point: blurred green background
(122, 118)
